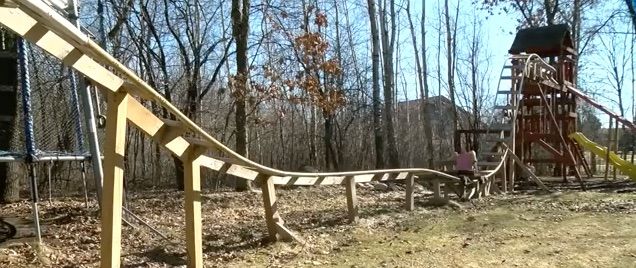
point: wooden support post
(410, 189)
(269, 203)
(438, 199)
(352, 199)
(192, 183)
(114, 152)
(615, 146)
(275, 224)
(609, 146)
(504, 178)
(483, 184)
(437, 192)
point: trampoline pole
(83, 168)
(34, 202)
(93, 142)
(85, 98)
(48, 173)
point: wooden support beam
(410, 190)
(615, 147)
(352, 199)
(437, 198)
(609, 146)
(271, 211)
(161, 131)
(287, 235)
(37, 33)
(192, 183)
(112, 193)
(504, 177)
(559, 133)
(550, 149)
(528, 172)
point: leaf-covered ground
(571, 228)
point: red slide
(592, 102)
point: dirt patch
(571, 228)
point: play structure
(538, 110)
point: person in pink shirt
(466, 162)
(465, 167)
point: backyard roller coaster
(39, 24)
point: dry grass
(573, 229)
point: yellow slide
(624, 166)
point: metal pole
(34, 197)
(89, 121)
(83, 168)
(48, 173)
(93, 142)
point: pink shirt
(465, 161)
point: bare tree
(387, 37)
(240, 30)
(451, 55)
(422, 78)
(377, 110)
(615, 61)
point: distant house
(410, 128)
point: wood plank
(37, 33)
(16, 20)
(504, 177)
(114, 154)
(286, 234)
(549, 148)
(271, 210)
(211, 163)
(352, 199)
(136, 91)
(143, 118)
(192, 183)
(242, 172)
(147, 122)
(527, 171)
(200, 142)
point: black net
(57, 123)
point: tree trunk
(551, 8)
(240, 29)
(632, 12)
(377, 109)
(331, 158)
(450, 72)
(388, 41)
(428, 128)
(9, 183)
(423, 84)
